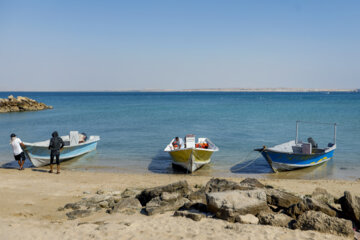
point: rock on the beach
(222, 185)
(130, 192)
(321, 222)
(251, 183)
(192, 215)
(20, 104)
(181, 187)
(275, 219)
(78, 214)
(308, 204)
(104, 204)
(351, 207)
(281, 198)
(159, 205)
(126, 205)
(227, 205)
(247, 219)
(321, 195)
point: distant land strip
(300, 90)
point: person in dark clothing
(56, 143)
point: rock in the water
(181, 187)
(222, 185)
(78, 214)
(321, 222)
(308, 204)
(281, 198)
(20, 104)
(247, 219)
(351, 207)
(251, 183)
(159, 205)
(275, 219)
(192, 215)
(126, 205)
(227, 205)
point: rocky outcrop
(350, 207)
(321, 222)
(227, 205)
(21, 104)
(247, 202)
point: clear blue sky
(117, 45)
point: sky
(86, 45)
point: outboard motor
(312, 142)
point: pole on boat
(335, 133)
(297, 132)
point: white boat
(192, 155)
(39, 154)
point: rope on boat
(246, 159)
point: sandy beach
(30, 201)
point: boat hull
(40, 156)
(287, 161)
(191, 159)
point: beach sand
(30, 200)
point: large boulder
(222, 185)
(308, 204)
(350, 206)
(275, 219)
(227, 205)
(181, 188)
(281, 198)
(321, 222)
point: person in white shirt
(18, 146)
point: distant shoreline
(279, 90)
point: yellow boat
(191, 155)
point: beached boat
(296, 154)
(191, 155)
(39, 154)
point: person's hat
(13, 135)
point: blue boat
(296, 154)
(39, 154)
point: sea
(135, 127)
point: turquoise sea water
(135, 127)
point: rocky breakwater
(21, 104)
(246, 202)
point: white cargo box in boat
(190, 141)
(74, 138)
